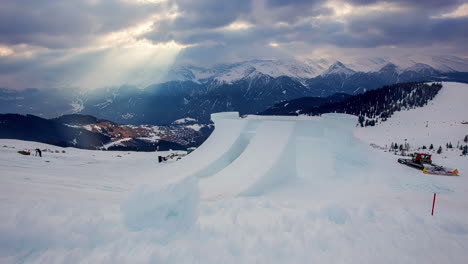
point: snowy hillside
(438, 123)
(259, 190)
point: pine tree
(450, 145)
(401, 146)
(361, 120)
(465, 150)
(439, 150)
(466, 139)
(424, 147)
(431, 146)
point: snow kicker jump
(244, 157)
(268, 159)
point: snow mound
(170, 208)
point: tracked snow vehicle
(424, 162)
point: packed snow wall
(249, 156)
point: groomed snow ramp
(250, 156)
(267, 160)
(218, 151)
(170, 203)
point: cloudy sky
(97, 43)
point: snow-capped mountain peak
(421, 68)
(311, 68)
(228, 73)
(390, 68)
(338, 68)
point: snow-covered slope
(333, 199)
(438, 123)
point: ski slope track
(261, 189)
(438, 123)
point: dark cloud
(282, 3)
(199, 18)
(228, 52)
(209, 13)
(291, 11)
(55, 24)
(407, 28)
(397, 28)
(427, 4)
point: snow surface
(116, 143)
(437, 123)
(152, 138)
(77, 106)
(287, 190)
(195, 127)
(184, 120)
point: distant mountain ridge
(248, 87)
(88, 132)
(311, 68)
(33, 128)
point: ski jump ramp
(248, 156)
(263, 163)
(280, 149)
(219, 150)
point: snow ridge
(310, 68)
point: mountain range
(85, 131)
(248, 87)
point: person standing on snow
(38, 151)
